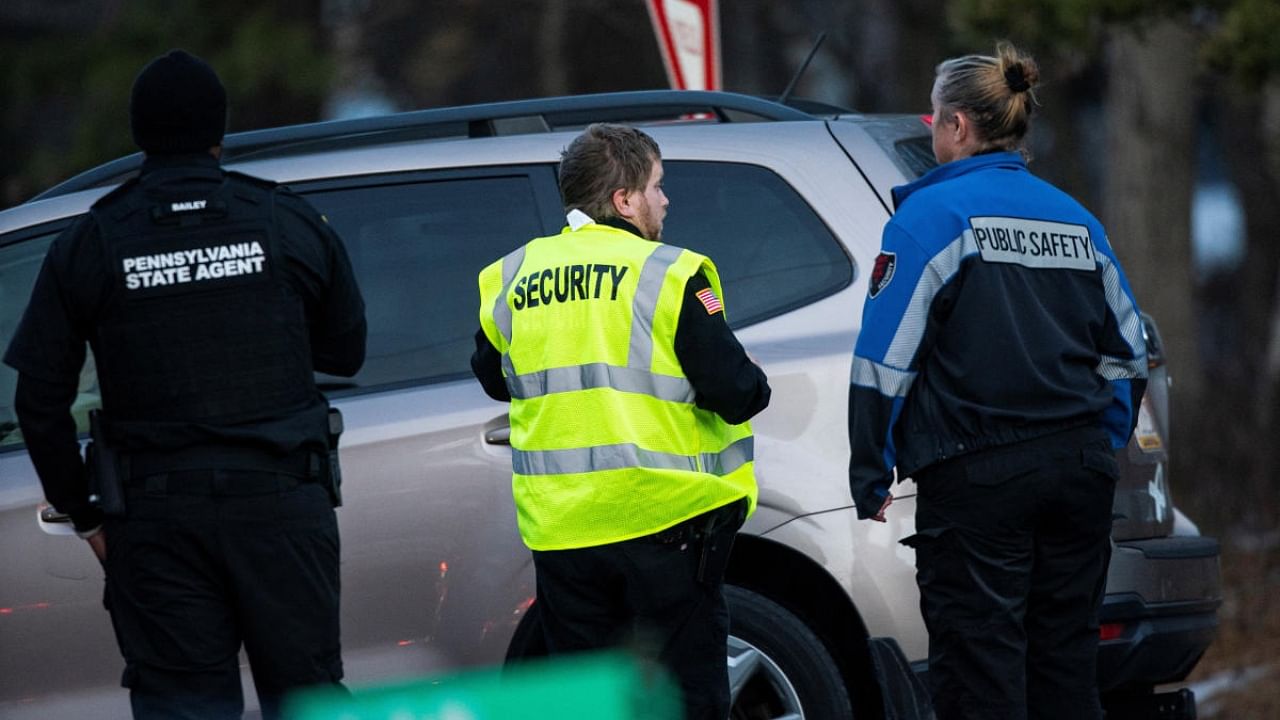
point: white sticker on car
(1146, 432)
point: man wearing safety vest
(631, 451)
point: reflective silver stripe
(891, 382)
(1130, 324)
(595, 459)
(600, 375)
(1114, 368)
(936, 273)
(731, 458)
(627, 455)
(645, 304)
(501, 310)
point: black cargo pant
(661, 595)
(1012, 547)
(207, 561)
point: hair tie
(1016, 79)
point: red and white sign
(689, 37)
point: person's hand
(98, 543)
(879, 517)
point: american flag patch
(710, 301)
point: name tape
(1039, 244)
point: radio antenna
(786, 94)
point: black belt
(299, 463)
(1080, 435)
(214, 483)
(700, 525)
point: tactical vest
(199, 325)
(607, 443)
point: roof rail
(486, 120)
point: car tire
(778, 668)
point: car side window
(772, 251)
(418, 245)
(20, 262)
(417, 249)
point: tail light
(1110, 631)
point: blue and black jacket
(996, 312)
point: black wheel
(778, 669)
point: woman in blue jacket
(1000, 364)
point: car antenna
(786, 94)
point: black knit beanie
(178, 105)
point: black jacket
(84, 282)
(996, 312)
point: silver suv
(790, 205)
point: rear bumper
(1164, 595)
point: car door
(58, 656)
(434, 572)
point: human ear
(962, 126)
(622, 203)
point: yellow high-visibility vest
(606, 442)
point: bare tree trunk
(1150, 111)
(1268, 407)
(1067, 134)
(898, 46)
(1250, 123)
(553, 65)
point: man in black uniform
(209, 299)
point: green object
(608, 686)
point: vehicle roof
(687, 124)
(517, 117)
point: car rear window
(773, 252)
(916, 154)
(417, 249)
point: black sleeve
(870, 414)
(44, 413)
(486, 364)
(48, 351)
(724, 379)
(335, 305)
(340, 354)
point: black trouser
(1012, 547)
(207, 561)
(661, 595)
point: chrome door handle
(49, 515)
(53, 522)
